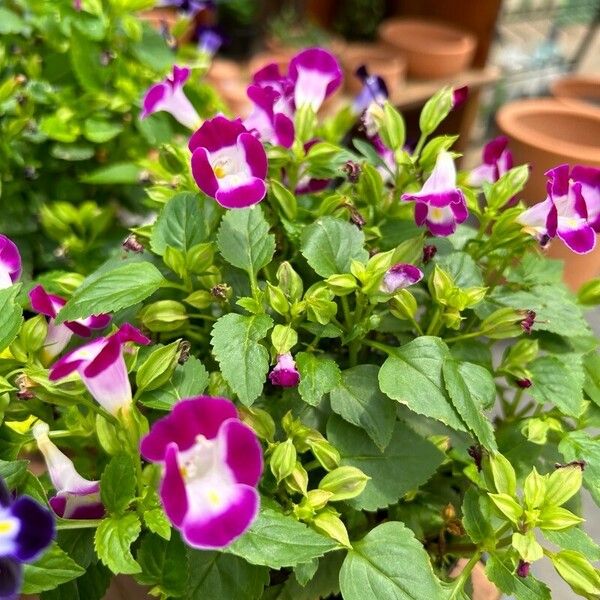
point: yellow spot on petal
(214, 498)
(6, 527)
(219, 172)
(436, 213)
(183, 472)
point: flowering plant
(332, 364)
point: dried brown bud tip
(132, 244)
(574, 463)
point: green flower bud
(283, 460)
(503, 475)
(284, 199)
(556, 518)
(435, 110)
(344, 483)
(441, 285)
(277, 300)
(509, 185)
(503, 323)
(290, 282)
(508, 506)
(589, 293)
(33, 333)
(403, 305)
(534, 490)
(319, 305)
(527, 546)
(175, 260)
(359, 270)
(259, 420)
(451, 318)
(304, 512)
(164, 316)
(199, 258)
(328, 456)
(297, 480)
(68, 282)
(200, 299)
(317, 499)
(577, 571)
(283, 338)
(563, 483)
(330, 524)
(519, 355)
(393, 130)
(536, 429)
(341, 285)
(158, 368)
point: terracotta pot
(222, 72)
(236, 98)
(546, 133)
(380, 59)
(432, 49)
(578, 91)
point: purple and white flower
(270, 77)
(566, 211)
(209, 41)
(400, 276)
(26, 530)
(284, 373)
(168, 95)
(440, 205)
(228, 163)
(497, 160)
(316, 75)
(370, 100)
(212, 463)
(76, 497)
(189, 7)
(10, 262)
(589, 178)
(274, 127)
(388, 168)
(58, 336)
(101, 366)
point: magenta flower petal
(203, 172)
(172, 489)
(243, 451)
(44, 303)
(284, 373)
(589, 178)
(580, 239)
(216, 133)
(129, 333)
(189, 418)
(316, 75)
(459, 96)
(209, 532)
(242, 196)
(271, 126)
(255, 155)
(10, 262)
(400, 276)
(497, 160)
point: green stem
(200, 316)
(378, 346)
(419, 146)
(346, 310)
(64, 524)
(435, 323)
(460, 581)
(464, 336)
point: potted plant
(283, 386)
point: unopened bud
(342, 285)
(429, 252)
(283, 460)
(523, 568)
(200, 299)
(524, 383)
(330, 524)
(259, 420)
(297, 480)
(344, 483)
(317, 499)
(164, 316)
(328, 456)
(132, 244)
(290, 282)
(352, 170)
(403, 305)
(277, 300)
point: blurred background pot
(545, 133)
(578, 91)
(432, 49)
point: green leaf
(13, 473)
(85, 57)
(276, 540)
(358, 400)
(329, 245)
(117, 484)
(92, 585)
(244, 362)
(113, 538)
(78, 544)
(407, 462)
(578, 445)
(413, 376)
(156, 521)
(466, 394)
(153, 51)
(318, 376)
(186, 220)
(50, 570)
(10, 22)
(72, 152)
(100, 131)
(164, 564)
(576, 539)
(221, 576)
(476, 516)
(11, 315)
(555, 383)
(113, 290)
(119, 173)
(501, 571)
(462, 268)
(188, 380)
(388, 563)
(244, 240)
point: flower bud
(451, 318)
(528, 321)
(259, 420)
(403, 305)
(284, 373)
(297, 480)
(342, 285)
(175, 260)
(283, 460)
(435, 110)
(503, 323)
(459, 96)
(164, 316)
(503, 475)
(556, 518)
(400, 276)
(331, 525)
(199, 258)
(523, 568)
(290, 282)
(283, 338)
(352, 170)
(132, 244)
(527, 546)
(563, 483)
(328, 456)
(524, 383)
(221, 291)
(200, 299)
(277, 300)
(534, 489)
(33, 333)
(344, 483)
(441, 285)
(317, 499)
(158, 368)
(577, 571)
(508, 506)
(429, 252)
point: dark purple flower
(352, 170)
(374, 91)
(284, 373)
(58, 336)
(316, 74)
(168, 95)
(440, 205)
(26, 530)
(528, 321)
(429, 251)
(566, 210)
(102, 369)
(209, 41)
(476, 453)
(274, 127)
(228, 163)
(497, 160)
(189, 7)
(524, 383)
(212, 463)
(10, 262)
(399, 277)
(459, 96)
(523, 568)
(76, 497)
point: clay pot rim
(508, 115)
(452, 41)
(572, 90)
